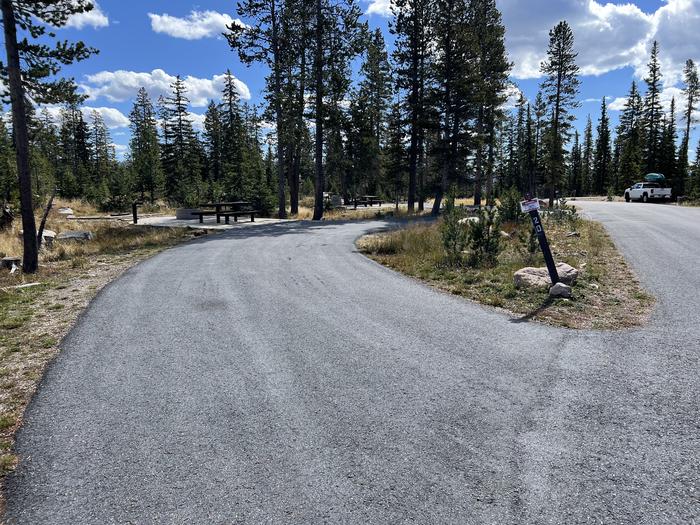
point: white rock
(560, 290)
(75, 236)
(66, 211)
(539, 277)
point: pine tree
(411, 27)
(560, 89)
(232, 139)
(603, 153)
(181, 158)
(691, 91)
(575, 168)
(37, 81)
(396, 155)
(587, 158)
(629, 140)
(653, 112)
(492, 69)
(259, 41)
(213, 140)
(101, 157)
(668, 160)
(453, 93)
(145, 150)
(8, 166)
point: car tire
(627, 197)
(645, 198)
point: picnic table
(226, 209)
(368, 200)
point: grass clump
(478, 263)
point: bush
(454, 233)
(611, 194)
(485, 238)
(509, 207)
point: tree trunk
(319, 186)
(281, 195)
(30, 262)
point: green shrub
(485, 238)
(454, 234)
(509, 207)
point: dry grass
(607, 295)
(34, 320)
(359, 214)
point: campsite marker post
(532, 207)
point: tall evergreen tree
(603, 153)
(213, 139)
(587, 158)
(668, 160)
(101, 159)
(653, 112)
(30, 73)
(560, 89)
(411, 27)
(181, 158)
(691, 91)
(259, 41)
(492, 69)
(145, 150)
(575, 180)
(629, 140)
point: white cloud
(606, 36)
(379, 7)
(199, 24)
(119, 86)
(197, 121)
(94, 18)
(114, 119)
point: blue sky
(149, 42)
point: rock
(532, 278)
(75, 236)
(66, 211)
(567, 274)
(505, 235)
(539, 277)
(10, 262)
(560, 290)
(573, 234)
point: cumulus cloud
(379, 7)
(114, 119)
(606, 36)
(199, 24)
(119, 86)
(94, 18)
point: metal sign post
(532, 207)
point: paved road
(274, 375)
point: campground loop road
(274, 375)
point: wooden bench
(367, 202)
(235, 214)
(201, 215)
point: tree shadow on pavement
(537, 311)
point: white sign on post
(531, 205)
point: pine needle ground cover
(34, 319)
(607, 295)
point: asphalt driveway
(274, 375)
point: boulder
(66, 211)
(539, 277)
(560, 290)
(531, 278)
(567, 274)
(75, 236)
